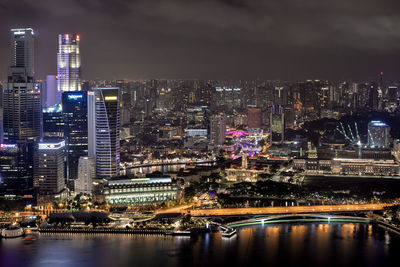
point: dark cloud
(287, 39)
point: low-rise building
(139, 191)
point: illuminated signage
(51, 146)
(75, 96)
(110, 98)
(7, 146)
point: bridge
(297, 218)
(285, 210)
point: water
(312, 244)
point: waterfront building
(86, 174)
(139, 191)
(68, 63)
(16, 169)
(49, 167)
(378, 134)
(75, 114)
(106, 131)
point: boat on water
(14, 230)
(29, 238)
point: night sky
(213, 39)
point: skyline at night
(214, 39)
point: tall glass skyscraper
(68, 63)
(75, 114)
(107, 121)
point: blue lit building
(75, 113)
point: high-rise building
(277, 124)
(75, 114)
(68, 63)
(21, 96)
(16, 169)
(86, 174)
(198, 121)
(378, 134)
(49, 167)
(21, 117)
(254, 118)
(107, 126)
(53, 122)
(218, 128)
(49, 91)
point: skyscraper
(86, 174)
(218, 128)
(75, 114)
(378, 134)
(49, 167)
(21, 96)
(107, 124)
(16, 168)
(21, 117)
(68, 64)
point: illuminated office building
(68, 63)
(107, 124)
(21, 96)
(198, 121)
(75, 113)
(49, 167)
(53, 122)
(378, 134)
(16, 169)
(218, 128)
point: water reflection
(268, 245)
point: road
(179, 209)
(286, 210)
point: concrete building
(218, 128)
(86, 174)
(21, 96)
(139, 191)
(49, 169)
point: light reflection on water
(270, 245)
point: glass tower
(107, 116)
(75, 112)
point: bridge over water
(285, 210)
(298, 218)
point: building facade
(75, 114)
(68, 63)
(123, 190)
(107, 131)
(49, 167)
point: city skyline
(216, 39)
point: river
(306, 244)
